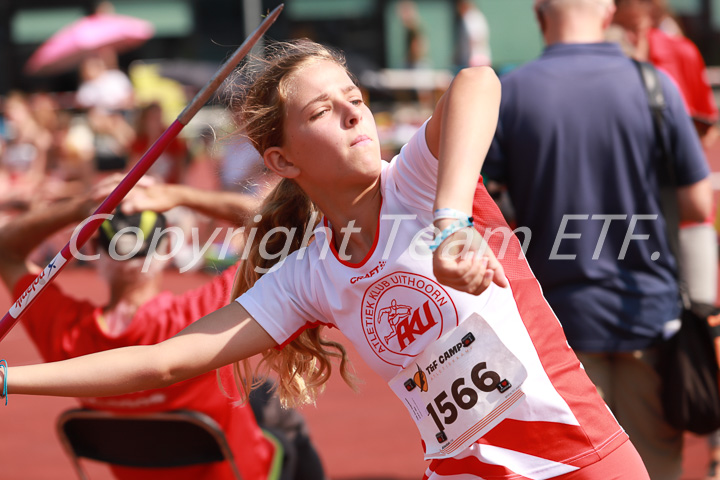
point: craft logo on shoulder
(402, 307)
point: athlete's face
(330, 133)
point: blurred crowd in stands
(54, 146)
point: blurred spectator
(415, 40)
(107, 95)
(222, 161)
(206, 154)
(170, 165)
(641, 27)
(666, 20)
(70, 162)
(24, 156)
(169, 168)
(103, 85)
(69, 168)
(473, 42)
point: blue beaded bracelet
(449, 230)
(449, 213)
(4, 366)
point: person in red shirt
(139, 313)
(170, 166)
(646, 31)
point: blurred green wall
(436, 24)
(514, 34)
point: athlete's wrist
(3, 380)
(447, 230)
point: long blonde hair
(303, 365)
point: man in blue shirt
(576, 148)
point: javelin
(127, 183)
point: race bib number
(460, 387)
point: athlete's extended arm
(220, 338)
(459, 134)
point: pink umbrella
(66, 48)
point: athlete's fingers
(494, 264)
(466, 274)
(463, 263)
(449, 273)
(499, 277)
(482, 277)
(485, 280)
(474, 274)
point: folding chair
(156, 440)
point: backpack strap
(666, 169)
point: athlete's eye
(318, 114)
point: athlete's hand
(465, 262)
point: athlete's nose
(353, 115)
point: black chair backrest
(156, 440)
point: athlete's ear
(276, 161)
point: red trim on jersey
(598, 433)
(471, 464)
(302, 329)
(549, 440)
(370, 252)
(601, 433)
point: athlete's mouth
(361, 139)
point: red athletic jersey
(680, 58)
(63, 327)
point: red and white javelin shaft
(127, 183)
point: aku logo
(401, 308)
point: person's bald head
(602, 5)
(574, 21)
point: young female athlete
(479, 359)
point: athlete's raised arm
(220, 338)
(459, 134)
